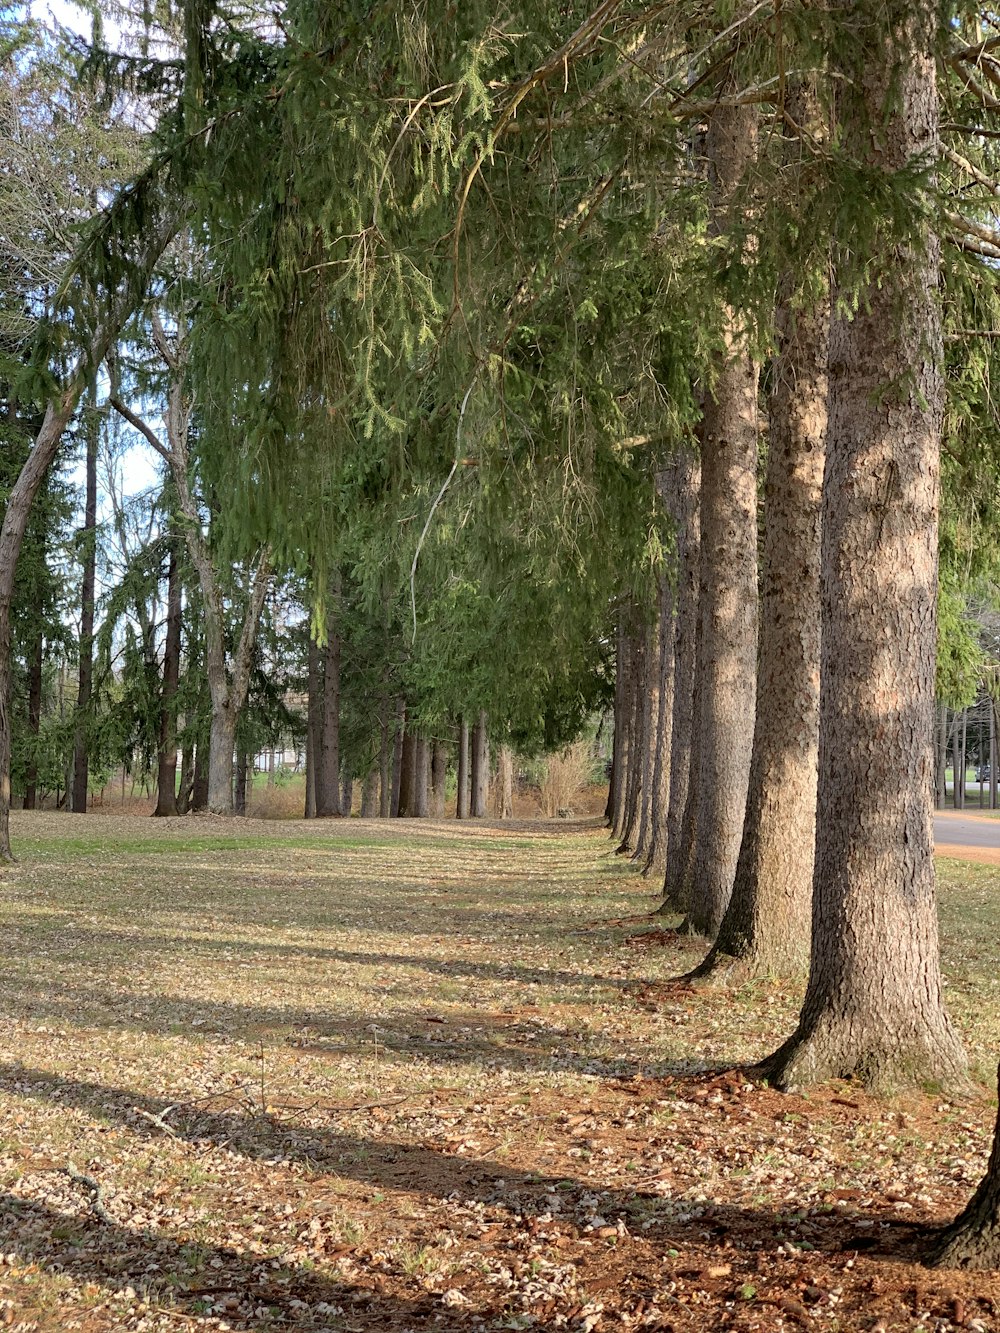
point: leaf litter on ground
(373, 1076)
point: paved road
(966, 830)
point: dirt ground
(375, 1077)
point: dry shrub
(566, 774)
(280, 800)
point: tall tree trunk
(166, 770)
(347, 793)
(240, 795)
(651, 724)
(398, 742)
(873, 1007)
(34, 719)
(480, 768)
(186, 792)
(462, 801)
(505, 782)
(439, 774)
(314, 714)
(369, 793)
(972, 1241)
(687, 517)
(941, 758)
(422, 778)
(727, 667)
(221, 754)
(766, 926)
(656, 853)
(385, 761)
(624, 703)
(200, 779)
(407, 806)
(639, 716)
(81, 744)
(328, 768)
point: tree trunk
(407, 806)
(656, 855)
(638, 716)
(480, 768)
(972, 1241)
(385, 762)
(765, 930)
(347, 793)
(941, 760)
(186, 792)
(958, 768)
(200, 781)
(651, 727)
(422, 778)
(328, 768)
(624, 703)
(683, 754)
(370, 793)
(166, 772)
(727, 667)
(81, 744)
(505, 783)
(873, 1007)
(221, 751)
(314, 713)
(398, 742)
(439, 775)
(240, 797)
(462, 800)
(34, 720)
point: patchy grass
(413, 1076)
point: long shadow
(472, 1037)
(414, 1168)
(168, 1271)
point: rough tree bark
(973, 1239)
(369, 793)
(314, 703)
(766, 927)
(34, 719)
(422, 778)
(384, 761)
(687, 518)
(407, 805)
(85, 689)
(328, 764)
(727, 665)
(873, 1007)
(656, 851)
(166, 770)
(639, 728)
(505, 783)
(480, 768)
(462, 800)
(439, 773)
(398, 738)
(624, 707)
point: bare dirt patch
(355, 1076)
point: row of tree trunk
(797, 765)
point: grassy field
(360, 1076)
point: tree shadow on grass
(716, 1248)
(525, 1041)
